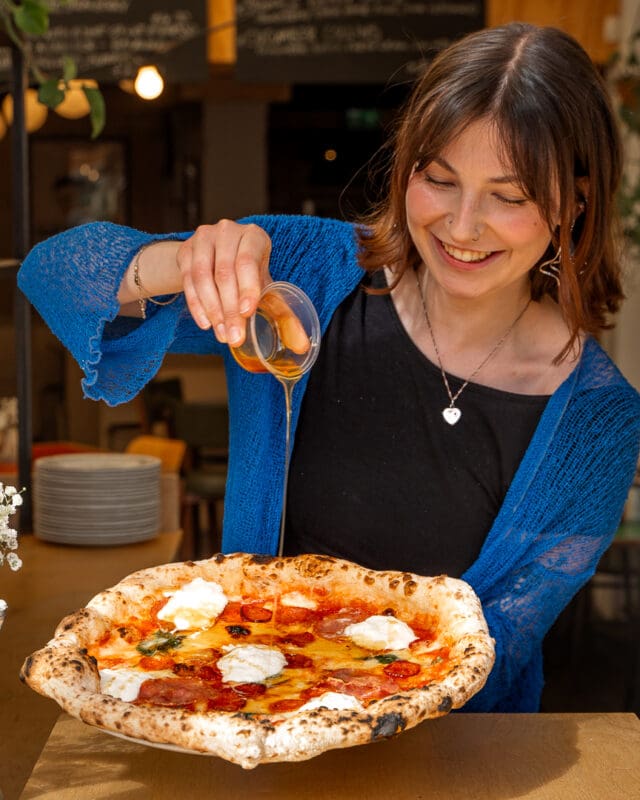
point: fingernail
(221, 333)
(245, 305)
(234, 335)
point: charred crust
(410, 587)
(388, 725)
(445, 705)
(77, 665)
(25, 672)
(219, 558)
(369, 580)
(261, 558)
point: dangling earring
(551, 267)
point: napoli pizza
(258, 659)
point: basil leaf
(159, 642)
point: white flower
(14, 561)
(10, 499)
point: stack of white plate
(96, 498)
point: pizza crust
(63, 671)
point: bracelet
(142, 300)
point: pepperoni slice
(332, 626)
(208, 673)
(254, 612)
(174, 692)
(156, 662)
(289, 614)
(288, 704)
(298, 639)
(364, 686)
(401, 669)
(250, 689)
(231, 613)
(297, 661)
(226, 700)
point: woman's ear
(582, 194)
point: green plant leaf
(98, 113)
(49, 94)
(69, 69)
(32, 17)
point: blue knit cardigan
(559, 514)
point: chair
(205, 429)
(171, 453)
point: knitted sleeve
(557, 531)
(72, 279)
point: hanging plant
(22, 22)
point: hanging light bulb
(75, 104)
(148, 83)
(35, 112)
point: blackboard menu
(346, 41)
(110, 39)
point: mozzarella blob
(334, 700)
(250, 663)
(380, 632)
(298, 600)
(195, 605)
(125, 683)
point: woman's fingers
(290, 329)
(224, 268)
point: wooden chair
(205, 429)
(171, 453)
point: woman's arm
(221, 269)
(552, 538)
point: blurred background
(282, 107)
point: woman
(460, 417)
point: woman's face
(470, 221)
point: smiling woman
(461, 417)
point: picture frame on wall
(77, 181)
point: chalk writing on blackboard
(110, 39)
(345, 40)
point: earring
(551, 267)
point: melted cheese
(195, 605)
(250, 663)
(298, 600)
(125, 683)
(381, 633)
(335, 700)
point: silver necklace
(452, 413)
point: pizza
(258, 659)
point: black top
(377, 475)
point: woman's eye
(436, 182)
(511, 201)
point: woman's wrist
(153, 272)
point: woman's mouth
(468, 256)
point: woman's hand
(224, 268)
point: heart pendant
(451, 415)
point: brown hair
(552, 112)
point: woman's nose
(464, 222)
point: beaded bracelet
(142, 300)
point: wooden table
(459, 757)
(54, 581)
